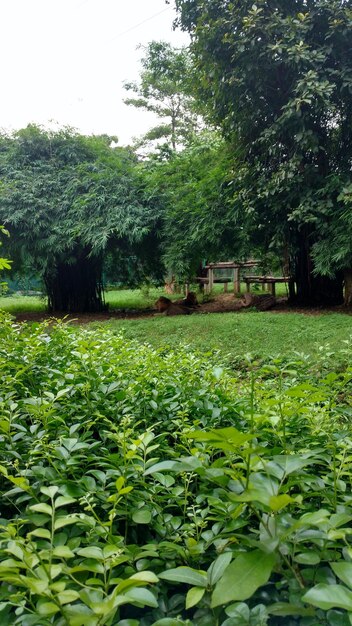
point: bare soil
(223, 303)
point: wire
(139, 24)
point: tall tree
(68, 199)
(165, 88)
(195, 186)
(277, 77)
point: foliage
(199, 219)
(277, 78)
(68, 199)
(145, 487)
(165, 88)
(5, 264)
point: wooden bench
(269, 281)
(210, 279)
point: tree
(68, 200)
(195, 186)
(277, 77)
(165, 89)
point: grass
(138, 299)
(22, 304)
(237, 334)
(233, 334)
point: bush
(150, 487)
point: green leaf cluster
(141, 488)
(277, 78)
(68, 200)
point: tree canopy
(277, 77)
(165, 88)
(68, 199)
(199, 218)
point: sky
(63, 62)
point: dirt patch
(223, 303)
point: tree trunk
(76, 287)
(314, 290)
(348, 287)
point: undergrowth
(145, 486)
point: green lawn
(233, 334)
(22, 304)
(117, 299)
(237, 334)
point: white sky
(66, 60)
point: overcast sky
(66, 60)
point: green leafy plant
(145, 487)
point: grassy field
(116, 299)
(232, 334)
(237, 334)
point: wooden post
(248, 287)
(272, 288)
(206, 285)
(186, 289)
(211, 279)
(225, 287)
(236, 280)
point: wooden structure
(266, 281)
(210, 279)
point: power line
(125, 32)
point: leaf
(329, 596)
(344, 572)
(307, 558)
(169, 621)
(43, 533)
(194, 595)
(20, 482)
(42, 507)
(282, 609)
(68, 595)
(145, 576)
(92, 552)
(218, 567)
(80, 615)
(291, 463)
(276, 503)
(142, 516)
(15, 549)
(63, 500)
(223, 438)
(188, 464)
(66, 520)
(243, 577)
(142, 596)
(50, 491)
(239, 614)
(63, 552)
(314, 519)
(186, 575)
(163, 465)
(47, 608)
(35, 585)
